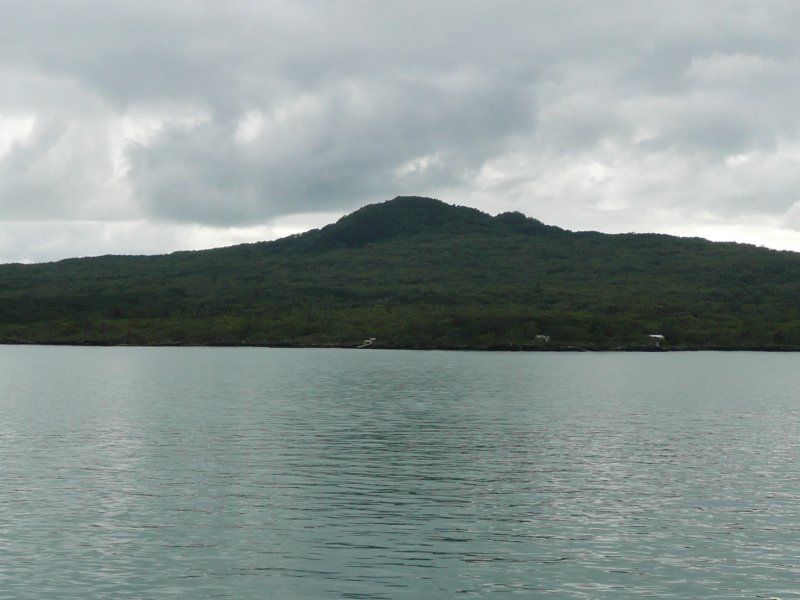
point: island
(416, 272)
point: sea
(138, 473)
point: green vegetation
(418, 273)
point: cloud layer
(224, 117)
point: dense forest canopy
(416, 272)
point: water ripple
(213, 473)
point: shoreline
(378, 346)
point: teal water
(255, 473)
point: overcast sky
(145, 127)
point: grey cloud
(237, 113)
(60, 171)
(341, 146)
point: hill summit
(413, 215)
(403, 216)
(415, 272)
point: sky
(146, 127)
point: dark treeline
(415, 272)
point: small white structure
(366, 343)
(657, 338)
(542, 338)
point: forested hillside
(416, 272)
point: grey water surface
(276, 473)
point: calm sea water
(256, 473)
